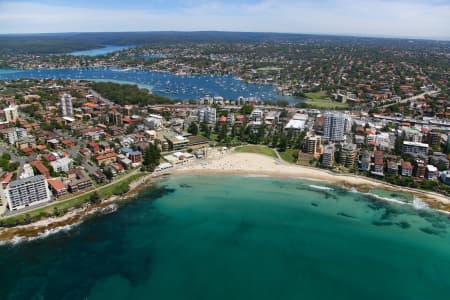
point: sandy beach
(257, 165)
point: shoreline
(257, 164)
(73, 217)
(240, 164)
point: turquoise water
(100, 51)
(239, 238)
(164, 84)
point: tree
(151, 157)
(282, 103)
(275, 139)
(282, 144)
(222, 132)
(193, 128)
(108, 173)
(246, 109)
(398, 145)
(95, 198)
(56, 211)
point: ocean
(233, 237)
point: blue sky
(403, 18)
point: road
(413, 98)
(103, 99)
(74, 151)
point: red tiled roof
(41, 168)
(7, 177)
(106, 156)
(56, 184)
(50, 157)
(406, 165)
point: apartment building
(336, 125)
(26, 192)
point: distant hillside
(67, 42)
(124, 94)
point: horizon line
(380, 36)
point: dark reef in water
(403, 225)
(342, 214)
(185, 186)
(430, 230)
(380, 223)
(158, 192)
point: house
(53, 143)
(445, 177)
(85, 151)
(5, 179)
(406, 168)
(125, 151)
(50, 157)
(154, 121)
(431, 172)
(419, 168)
(365, 161)
(40, 168)
(105, 147)
(106, 158)
(94, 147)
(61, 164)
(26, 142)
(57, 187)
(68, 143)
(118, 168)
(126, 162)
(392, 167)
(78, 180)
(378, 167)
(135, 156)
(93, 134)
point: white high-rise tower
(66, 105)
(336, 125)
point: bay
(100, 51)
(232, 237)
(182, 87)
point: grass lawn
(270, 69)
(288, 155)
(62, 205)
(321, 100)
(257, 149)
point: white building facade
(207, 115)
(27, 192)
(11, 113)
(336, 125)
(66, 105)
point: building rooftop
(56, 184)
(27, 180)
(415, 144)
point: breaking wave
(319, 187)
(48, 232)
(419, 203)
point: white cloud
(379, 17)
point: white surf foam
(319, 187)
(48, 232)
(419, 203)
